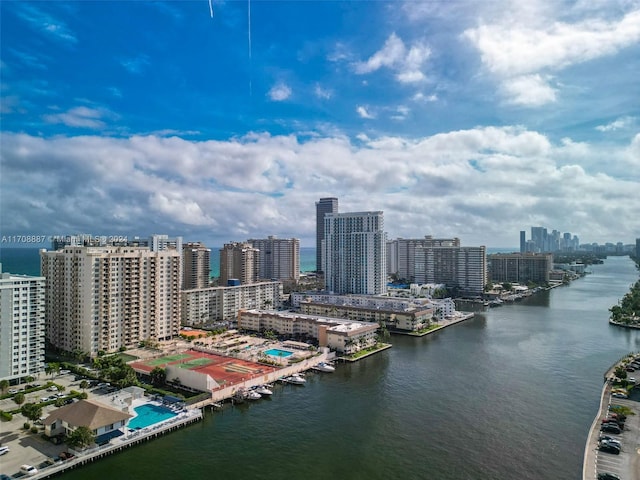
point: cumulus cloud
(518, 54)
(455, 184)
(394, 54)
(618, 124)
(279, 92)
(363, 112)
(324, 93)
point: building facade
(463, 268)
(239, 261)
(344, 336)
(278, 258)
(196, 265)
(355, 253)
(208, 306)
(520, 268)
(22, 325)
(104, 298)
(323, 207)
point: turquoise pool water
(149, 415)
(276, 352)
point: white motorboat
(296, 379)
(252, 395)
(263, 390)
(325, 367)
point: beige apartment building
(344, 336)
(196, 265)
(207, 306)
(105, 298)
(239, 261)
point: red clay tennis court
(224, 370)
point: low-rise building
(344, 336)
(99, 418)
(394, 313)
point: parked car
(13, 390)
(64, 372)
(44, 399)
(52, 388)
(608, 476)
(4, 450)
(28, 469)
(610, 428)
(619, 395)
(607, 438)
(613, 443)
(608, 448)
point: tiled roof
(89, 413)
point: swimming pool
(149, 415)
(276, 352)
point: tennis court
(224, 370)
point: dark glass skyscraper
(323, 206)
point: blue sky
(456, 118)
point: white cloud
(405, 62)
(324, 93)
(529, 90)
(279, 92)
(519, 54)
(479, 184)
(82, 117)
(364, 112)
(622, 122)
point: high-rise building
(278, 258)
(104, 298)
(464, 268)
(196, 265)
(523, 241)
(355, 253)
(239, 261)
(22, 325)
(520, 268)
(324, 206)
(406, 253)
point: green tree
(52, 368)
(158, 376)
(19, 398)
(4, 384)
(620, 372)
(81, 437)
(84, 385)
(507, 286)
(32, 411)
(29, 379)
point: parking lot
(30, 448)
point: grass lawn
(196, 362)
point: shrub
(34, 429)
(6, 416)
(26, 425)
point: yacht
(325, 367)
(263, 390)
(296, 379)
(252, 395)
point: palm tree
(84, 385)
(4, 384)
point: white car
(4, 450)
(632, 379)
(28, 469)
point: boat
(263, 390)
(325, 367)
(252, 395)
(296, 379)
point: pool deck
(47, 451)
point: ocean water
(26, 261)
